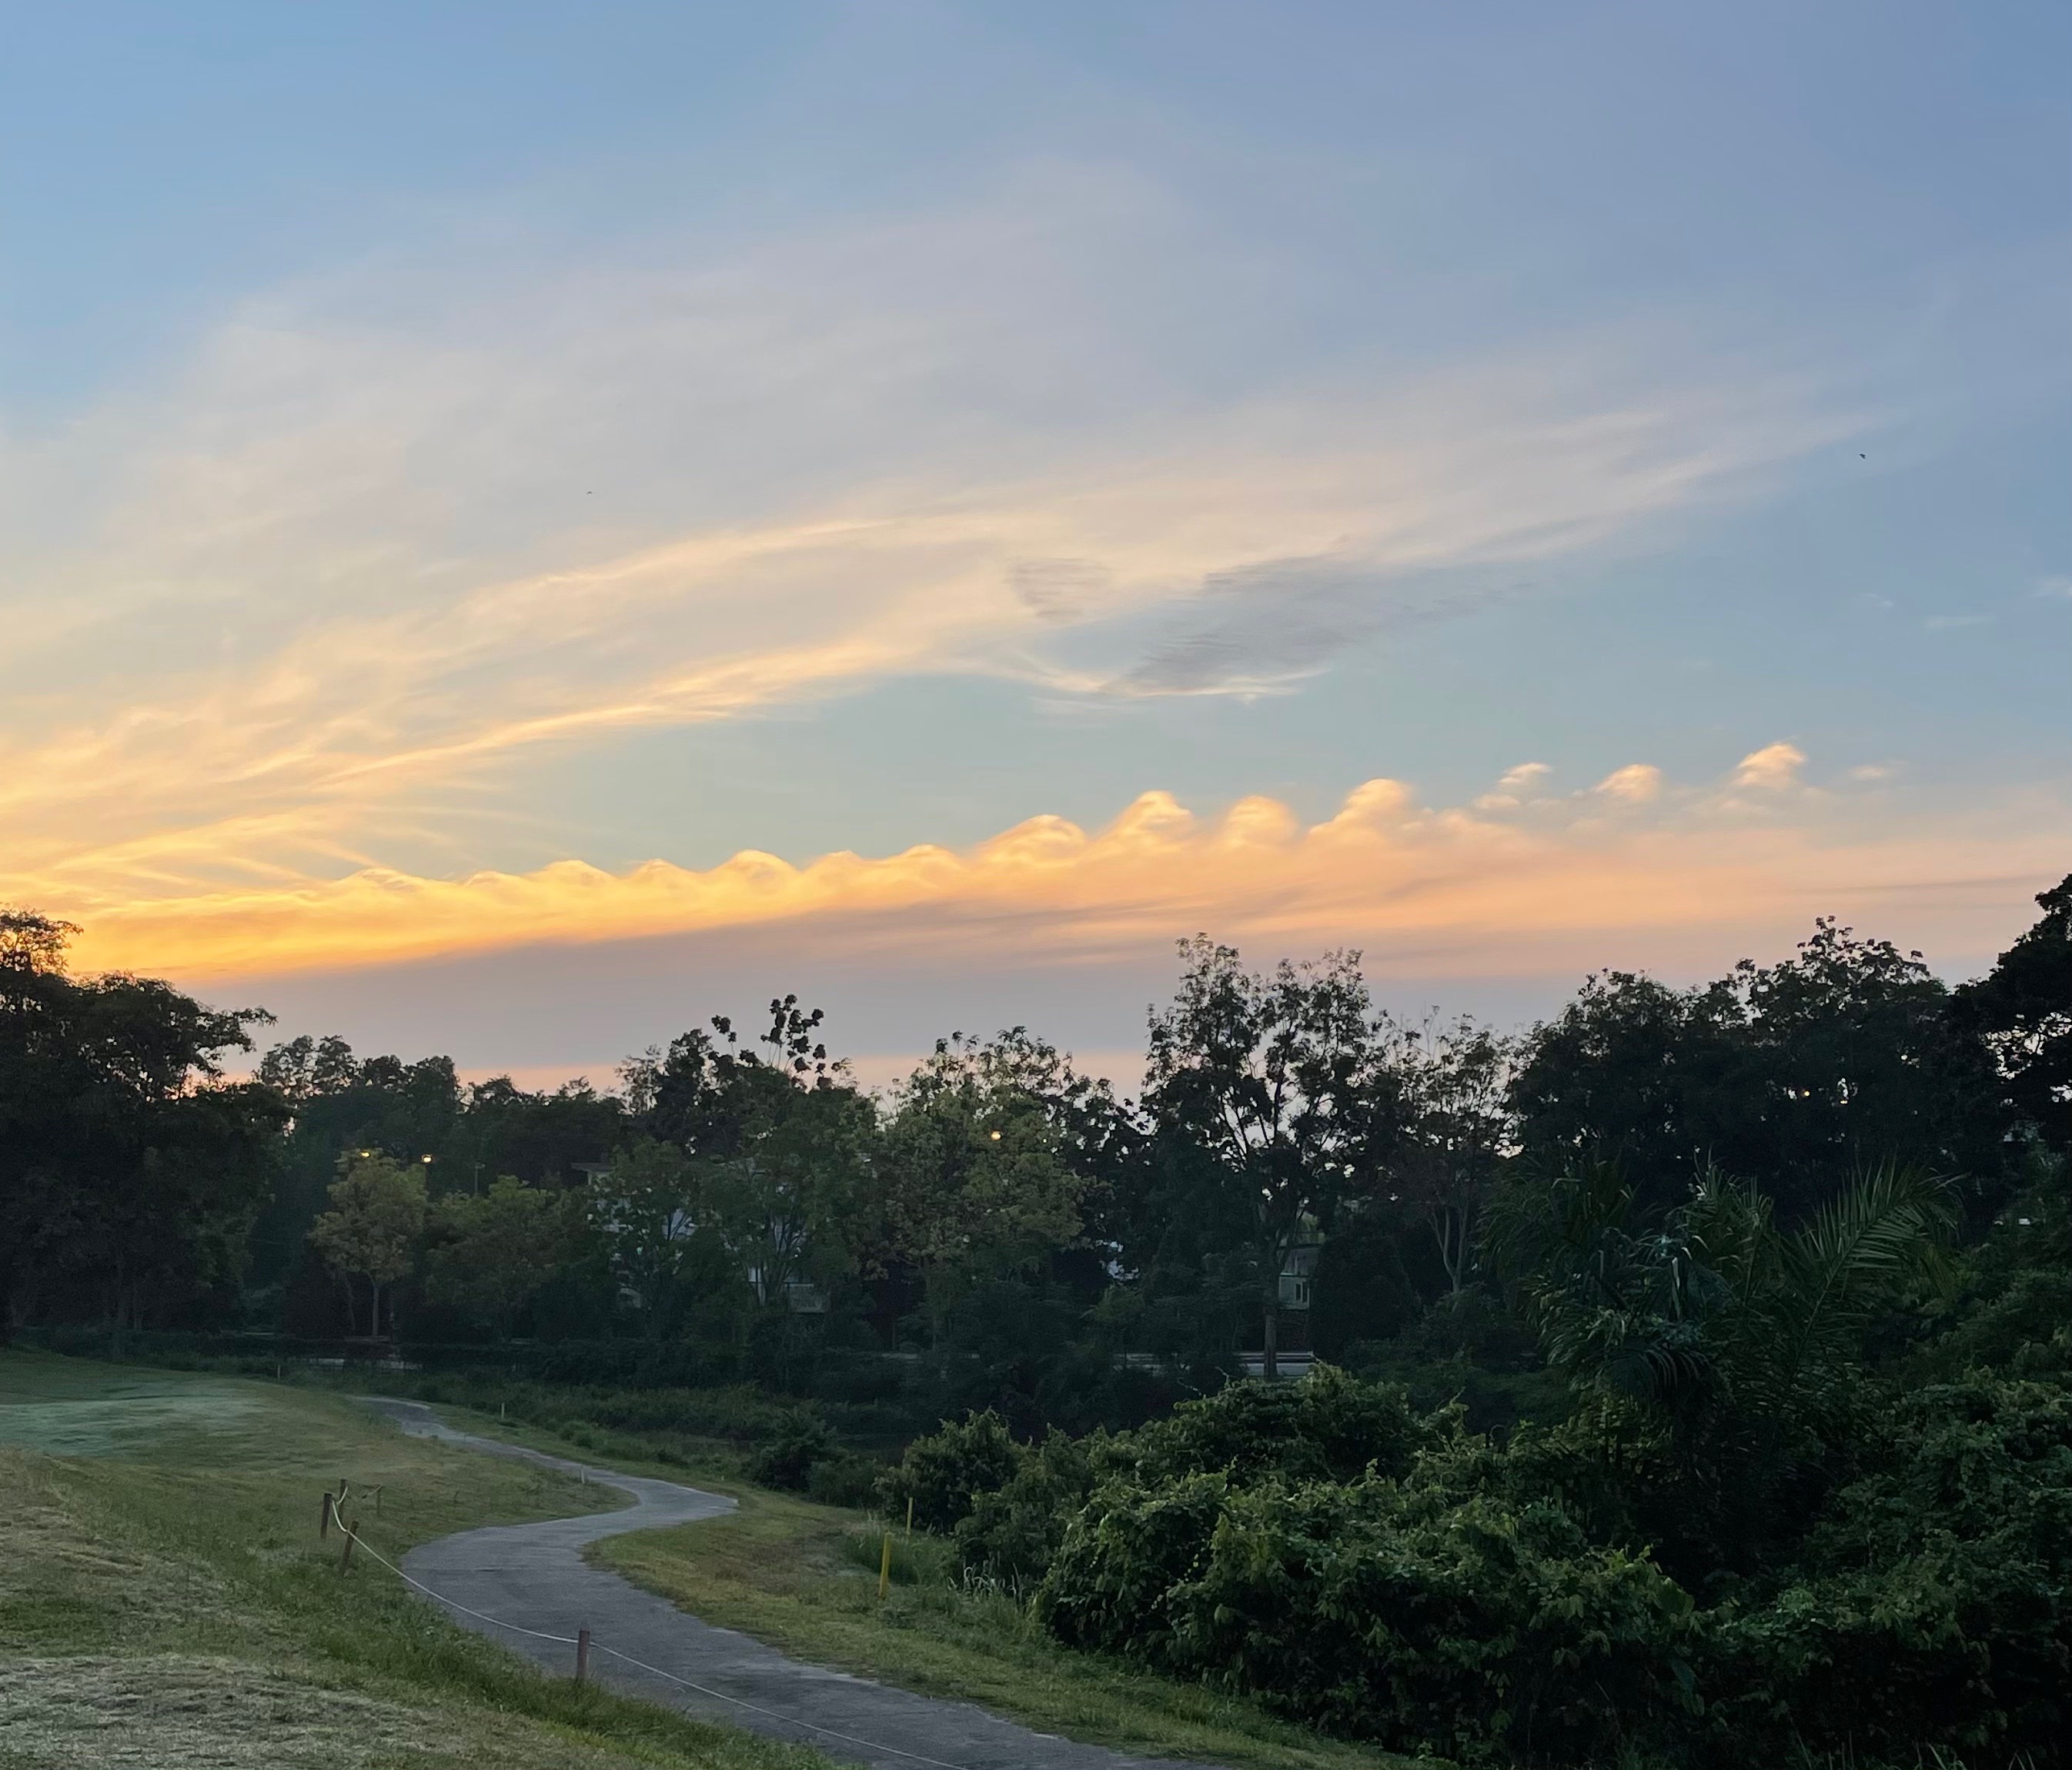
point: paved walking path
(534, 1576)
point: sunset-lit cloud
(480, 585)
(317, 601)
(1542, 880)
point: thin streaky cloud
(332, 719)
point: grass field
(165, 1602)
(804, 1577)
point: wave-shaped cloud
(1523, 878)
(276, 620)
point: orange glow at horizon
(1512, 881)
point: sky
(528, 525)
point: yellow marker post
(885, 1570)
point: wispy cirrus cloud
(385, 540)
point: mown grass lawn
(165, 1601)
(804, 1577)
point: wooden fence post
(323, 1515)
(352, 1536)
(582, 1654)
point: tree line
(1300, 1172)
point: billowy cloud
(345, 573)
(1622, 870)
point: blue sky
(444, 443)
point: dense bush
(1008, 1506)
(1499, 1600)
(1327, 1427)
(1384, 1611)
(787, 1461)
(1933, 1602)
(1111, 1585)
(1012, 1533)
(943, 1474)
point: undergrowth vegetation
(1746, 1542)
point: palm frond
(1887, 1231)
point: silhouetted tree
(128, 1163)
(2022, 1010)
(1275, 1079)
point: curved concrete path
(534, 1576)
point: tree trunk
(374, 1318)
(1270, 1367)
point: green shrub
(1131, 1547)
(1934, 1605)
(1008, 1507)
(788, 1460)
(1012, 1532)
(1473, 1629)
(1328, 1427)
(943, 1474)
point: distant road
(534, 1577)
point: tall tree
(1275, 1076)
(1857, 1063)
(373, 1228)
(1636, 1072)
(488, 1254)
(2022, 1010)
(1447, 1081)
(344, 1106)
(656, 1214)
(127, 1162)
(773, 1140)
(975, 1185)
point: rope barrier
(722, 1696)
(494, 1622)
